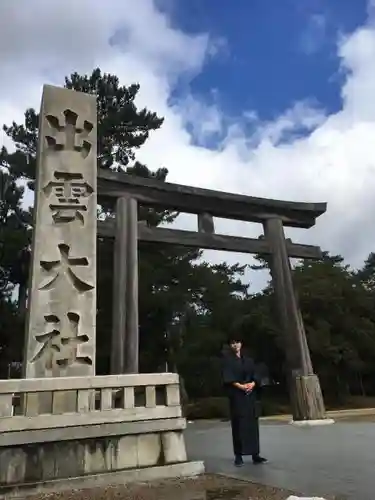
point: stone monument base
(125, 428)
(144, 474)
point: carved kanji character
(68, 136)
(59, 343)
(63, 267)
(70, 191)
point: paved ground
(336, 459)
(360, 414)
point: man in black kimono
(241, 385)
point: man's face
(236, 345)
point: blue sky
(272, 52)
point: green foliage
(122, 128)
(218, 408)
(366, 275)
(14, 232)
(11, 334)
(340, 322)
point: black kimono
(243, 406)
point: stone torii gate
(128, 191)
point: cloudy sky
(272, 98)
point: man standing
(241, 385)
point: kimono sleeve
(255, 374)
(257, 378)
(228, 372)
(252, 372)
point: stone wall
(121, 424)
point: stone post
(60, 334)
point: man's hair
(234, 337)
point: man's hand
(249, 386)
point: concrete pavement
(331, 460)
(353, 413)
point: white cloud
(334, 161)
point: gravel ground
(207, 487)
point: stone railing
(118, 428)
(115, 398)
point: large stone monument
(60, 335)
(62, 307)
(61, 426)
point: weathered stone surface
(12, 465)
(81, 432)
(102, 381)
(68, 458)
(60, 339)
(52, 447)
(174, 447)
(47, 457)
(65, 488)
(101, 459)
(6, 405)
(149, 449)
(97, 456)
(173, 395)
(127, 453)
